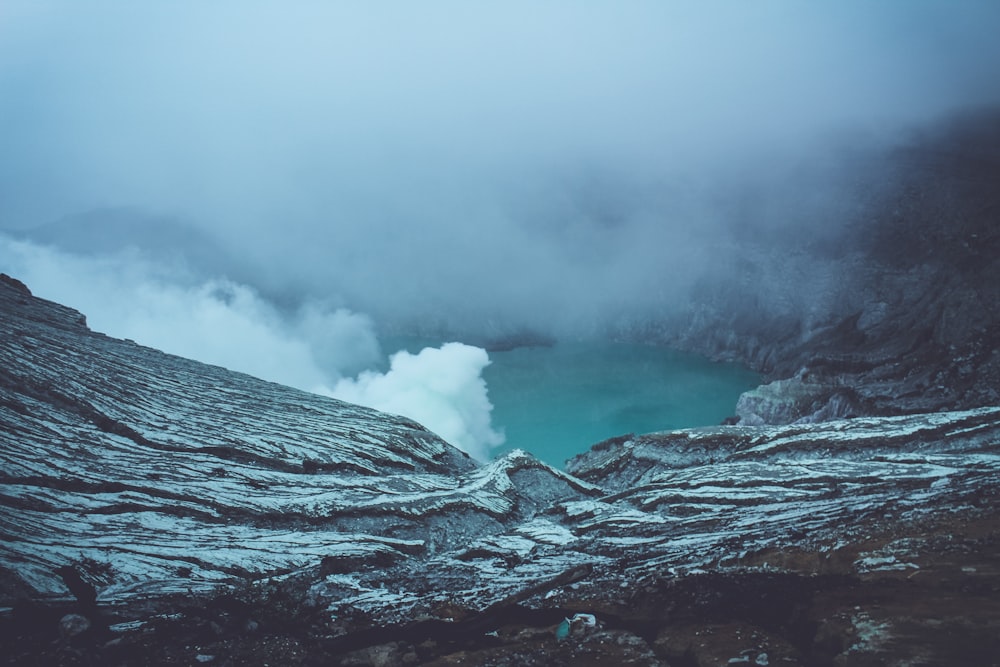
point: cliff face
(896, 312)
(175, 513)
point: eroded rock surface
(195, 516)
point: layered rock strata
(191, 515)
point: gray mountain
(110, 230)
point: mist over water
(276, 186)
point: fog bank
(542, 164)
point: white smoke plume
(444, 386)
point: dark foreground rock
(160, 511)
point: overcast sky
(481, 165)
(251, 116)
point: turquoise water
(556, 402)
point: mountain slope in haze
(895, 309)
(106, 231)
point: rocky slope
(112, 450)
(161, 511)
(893, 309)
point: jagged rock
(15, 283)
(793, 401)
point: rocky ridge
(170, 512)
